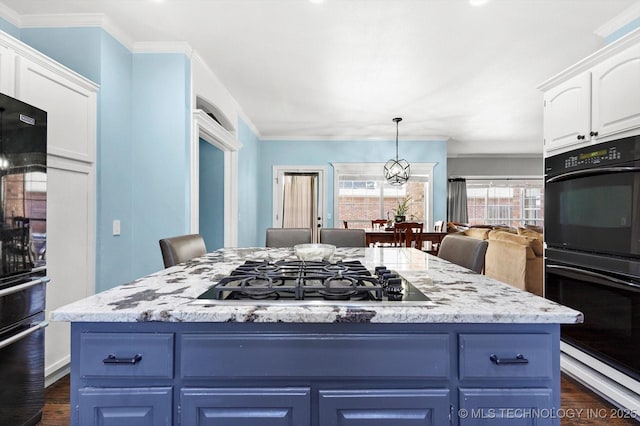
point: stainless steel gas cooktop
(303, 282)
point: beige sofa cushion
(533, 243)
(530, 233)
(479, 233)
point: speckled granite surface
(457, 295)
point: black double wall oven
(23, 167)
(592, 231)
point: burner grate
(299, 280)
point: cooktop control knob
(394, 286)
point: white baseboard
(51, 377)
(611, 384)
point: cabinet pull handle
(580, 137)
(592, 133)
(519, 359)
(111, 359)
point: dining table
(384, 237)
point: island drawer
(128, 355)
(315, 355)
(508, 356)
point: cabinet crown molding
(585, 64)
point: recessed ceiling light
(478, 2)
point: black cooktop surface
(296, 280)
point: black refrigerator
(23, 246)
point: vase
(399, 218)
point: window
(361, 194)
(511, 202)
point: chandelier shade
(397, 171)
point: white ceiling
(344, 68)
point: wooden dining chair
(408, 234)
(381, 222)
(16, 246)
(181, 249)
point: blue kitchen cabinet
(250, 374)
(508, 406)
(397, 407)
(245, 406)
(124, 406)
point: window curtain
(457, 201)
(300, 204)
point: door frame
(204, 127)
(278, 182)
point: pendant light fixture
(397, 172)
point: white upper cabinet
(596, 100)
(567, 113)
(7, 57)
(616, 93)
(71, 109)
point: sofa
(514, 256)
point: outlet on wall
(116, 227)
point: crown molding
(585, 64)
(10, 15)
(351, 138)
(77, 20)
(496, 156)
(247, 120)
(162, 47)
(627, 16)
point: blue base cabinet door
(245, 406)
(125, 406)
(394, 407)
(508, 407)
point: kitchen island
(149, 352)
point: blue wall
(114, 155)
(9, 28)
(249, 207)
(77, 48)
(211, 199)
(325, 152)
(160, 178)
(626, 29)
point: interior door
(299, 199)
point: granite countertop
(457, 295)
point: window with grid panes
(510, 202)
(361, 194)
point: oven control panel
(593, 157)
(600, 155)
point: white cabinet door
(70, 252)
(616, 93)
(71, 110)
(567, 113)
(7, 60)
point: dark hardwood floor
(582, 407)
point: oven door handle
(23, 334)
(618, 282)
(24, 286)
(592, 172)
